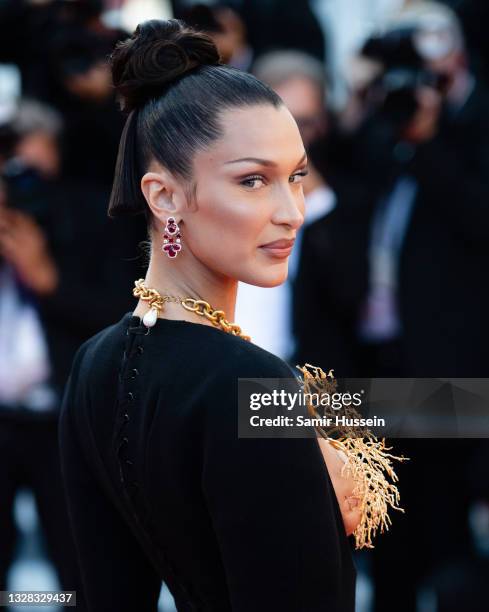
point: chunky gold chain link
(200, 307)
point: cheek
(227, 228)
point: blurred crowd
(387, 278)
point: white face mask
(435, 44)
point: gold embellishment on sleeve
(368, 462)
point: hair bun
(155, 55)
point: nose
(289, 209)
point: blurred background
(388, 277)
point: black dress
(160, 486)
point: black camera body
(26, 190)
(394, 91)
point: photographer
(54, 293)
(428, 241)
(401, 290)
(28, 398)
(419, 162)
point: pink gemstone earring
(171, 241)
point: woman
(159, 485)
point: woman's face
(248, 194)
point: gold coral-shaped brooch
(368, 461)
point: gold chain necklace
(201, 307)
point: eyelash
(255, 177)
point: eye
(299, 174)
(252, 179)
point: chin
(268, 278)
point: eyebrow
(263, 162)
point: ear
(163, 195)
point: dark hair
(170, 80)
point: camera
(404, 72)
(26, 190)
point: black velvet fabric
(161, 488)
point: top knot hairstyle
(170, 82)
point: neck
(185, 277)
